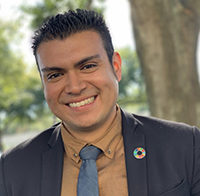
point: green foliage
(11, 67)
(132, 86)
(21, 94)
(46, 8)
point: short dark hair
(62, 26)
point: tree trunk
(166, 35)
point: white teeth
(82, 103)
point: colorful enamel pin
(139, 153)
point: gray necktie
(88, 176)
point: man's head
(64, 25)
(80, 85)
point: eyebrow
(48, 69)
(87, 59)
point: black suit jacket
(171, 166)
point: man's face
(80, 86)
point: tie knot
(89, 152)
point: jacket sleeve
(2, 185)
(195, 189)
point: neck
(90, 134)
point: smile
(82, 103)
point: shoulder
(22, 165)
(38, 144)
(152, 126)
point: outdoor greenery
(46, 8)
(21, 97)
(132, 86)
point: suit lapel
(136, 168)
(52, 166)
(52, 160)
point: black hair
(62, 26)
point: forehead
(76, 46)
(84, 37)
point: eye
(89, 66)
(53, 76)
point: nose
(74, 84)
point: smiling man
(71, 72)
(97, 149)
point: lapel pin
(139, 153)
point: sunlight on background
(117, 16)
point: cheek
(47, 97)
(110, 87)
(112, 80)
(50, 94)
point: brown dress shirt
(110, 164)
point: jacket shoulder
(155, 125)
(21, 167)
(38, 144)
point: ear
(117, 65)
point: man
(140, 156)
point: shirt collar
(107, 142)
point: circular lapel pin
(139, 153)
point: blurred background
(158, 42)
